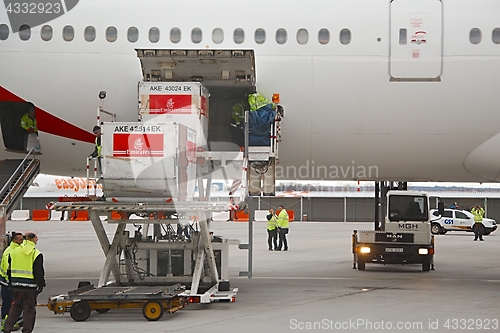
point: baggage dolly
(154, 301)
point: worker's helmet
(96, 129)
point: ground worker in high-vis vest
(478, 212)
(27, 278)
(29, 125)
(16, 240)
(272, 230)
(28, 121)
(98, 147)
(282, 228)
(256, 101)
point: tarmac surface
(311, 287)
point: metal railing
(27, 168)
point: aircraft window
(196, 35)
(239, 36)
(403, 36)
(324, 36)
(46, 33)
(89, 34)
(133, 34)
(345, 36)
(495, 35)
(68, 33)
(4, 31)
(260, 36)
(154, 35)
(475, 36)
(217, 35)
(302, 36)
(175, 35)
(24, 32)
(281, 36)
(111, 34)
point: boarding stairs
(16, 175)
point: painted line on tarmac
(363, 278)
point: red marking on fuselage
(49, 123)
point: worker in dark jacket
(272, 230)
(238, 122)
(98, 147)
(16, 241)
(27, 278)
(97, 150)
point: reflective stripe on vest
(238, 115)
(22, 267)
(256, 101)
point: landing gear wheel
(80, 311)
(436, 229)
(426, 265)
(102, 310)
(153, 310)
(361, 264)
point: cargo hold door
(416, 29)
(229, 68)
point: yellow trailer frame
(81, 302)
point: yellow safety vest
(4, 265)
(21, 265)
(27, 122)
(271, 223)
(238, 115)
(98, 146)
(256, 101)
(283, 219)
(478, 214)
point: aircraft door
(416, 40)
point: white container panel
(155, 161)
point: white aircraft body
(372, 89)
(50, 186)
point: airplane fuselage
(402, 90)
